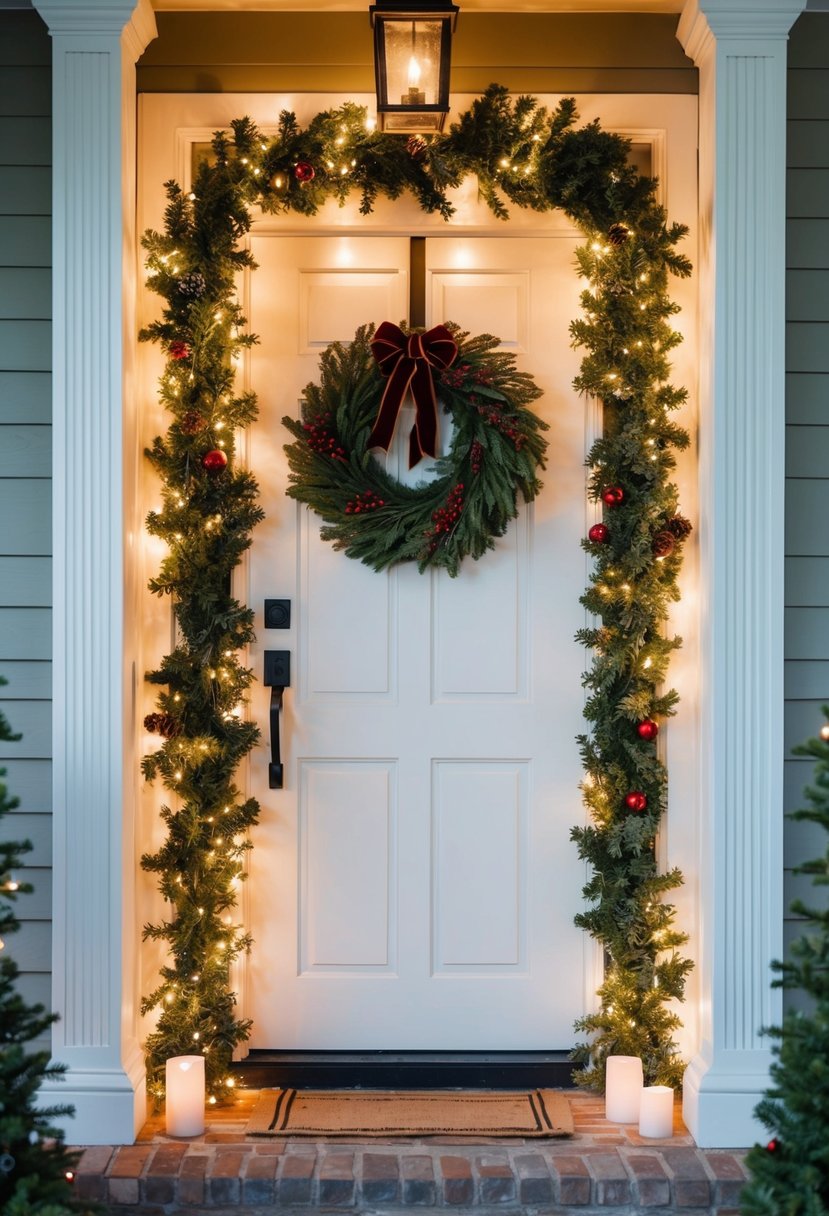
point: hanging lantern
(412, 55)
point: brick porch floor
(602, 1168)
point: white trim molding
(740, 49)
(94, 986)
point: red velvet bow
(408, 363)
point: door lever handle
(277, 678)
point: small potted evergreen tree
(789, 1176)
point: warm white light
(185, 1095)
(656, 1115)
(623, 1089)
(413, 76)
(371, 124)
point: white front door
(413, 885)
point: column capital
(704, 21)
(109, 18)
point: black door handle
(278, 678)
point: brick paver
(602, 1168)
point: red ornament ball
(612, 496)
(648, 730)
(304, 172)
(635, 800)
(773, 1146)
(215, 460)
(179, 350)
(598, 534)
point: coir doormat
(366, 1113)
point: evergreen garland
(209, 506)
(495, 452)
(36, 1167)
(532, 158)
(790, 1174)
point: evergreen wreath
(495, 450)
(533, 158)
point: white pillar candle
(656, 1117)
(623, 1089)
(185, 1096)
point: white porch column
(95, 46)
(740, 49)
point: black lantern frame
(412, 59)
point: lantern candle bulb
(656, 1116)
(415, 96)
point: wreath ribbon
(408, 361)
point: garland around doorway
(521, 154)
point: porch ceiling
(470, 6)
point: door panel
(413, 886)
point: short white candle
(623, 1089)
(185, 1096)
(656, 1118)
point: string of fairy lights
(520, 154)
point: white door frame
(740, 47)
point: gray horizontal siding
(25, 292)
(26, 581)
(807, 193)
(807, 438)
(25, 516)
(31, 781)
(26, 396)
(25, 472)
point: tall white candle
(656, 1117)
(623, 1089)
(185, 1096)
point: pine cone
(416, 148)
(192, 422)
(663, 544)
(192, 285)
(161, 724)
(617, 234)
(680, 527)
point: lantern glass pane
(413, 62)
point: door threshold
(406, 1069)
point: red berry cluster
(476, 456)
(453, 377)
(319, 440)
(179, 350)
(504, 423)
(445, 517)
(367, 501)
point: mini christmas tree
(36, 1168)
(790, 1174)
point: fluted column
(740, 49)
(95, 46)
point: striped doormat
(364, 1113)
